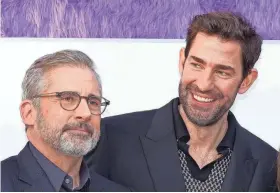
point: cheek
(229, 89)
(95, 122)
(50, 109)
(189, 76)
(57, 116)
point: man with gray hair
(61, 108)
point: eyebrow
(218, 66)
(94, 95)
(224, 67)
(198, 59)
(89, 95)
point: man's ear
(248, 81)
(28, 113)
(182, 60)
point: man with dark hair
(194, 143)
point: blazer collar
(160, 144)
(243, 164)
(162, 123)
(160, 149)
(31, 174)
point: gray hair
(34, 82)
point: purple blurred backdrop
(158, 19)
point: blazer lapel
(40, 185)
(96, 184)
(160, 149)
(31, 175)
(242, 166)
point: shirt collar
(182, 133)
(54, 173)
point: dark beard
(197, 116)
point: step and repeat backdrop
(135, 45)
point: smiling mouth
(202, 99)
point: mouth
(79, 130)
(203, 99)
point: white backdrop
(136, 75)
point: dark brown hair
(228, 26)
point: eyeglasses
(70, 101)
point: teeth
(202, 99)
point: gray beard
(68, 143)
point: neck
(205, 138)
(69, 164)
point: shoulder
(134, 116)
(9, 172)
(259, 147)
(8, 165)
(246, 139)
(130, 122)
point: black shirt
(60, 180)
(183, 137)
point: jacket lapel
(31, 176)
(40, 185)
(96, 183)
(160, 149)
(242, 166)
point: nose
(205, 82)
(82, 112)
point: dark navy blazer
(23, 173)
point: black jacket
(139, 150)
